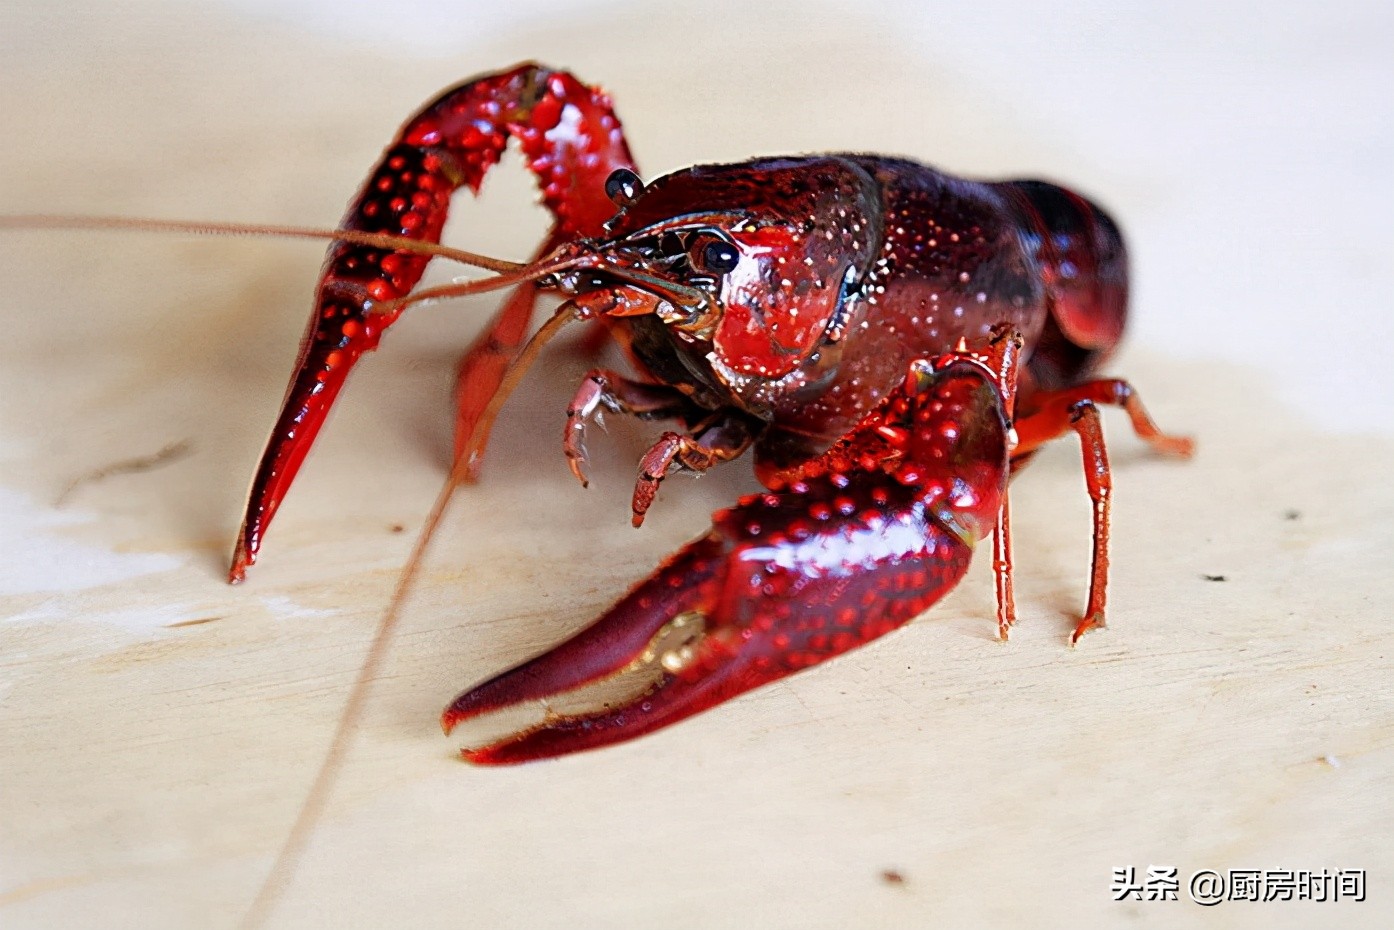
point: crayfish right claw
(783, 581)
(614, 662)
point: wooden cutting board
(159, 730)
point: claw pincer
(863, 539)
(571, 142)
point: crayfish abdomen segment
(1082, 261)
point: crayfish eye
(623, 187)
(713, 255)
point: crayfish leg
(1098, 479)
(1047, 416)
(719, 440)
(603, 388)
(1003, 358)
(570, 140)
(1002, 568)
(1053, 413)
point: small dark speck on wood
(1292, 514)
(892, 877)
(1214, 577)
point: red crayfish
(891, 342)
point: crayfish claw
(241, 559)
(609, 664)
(783, 581)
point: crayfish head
(776, 248)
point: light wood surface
(159, 729)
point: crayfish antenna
(317, 797)
(90, 223)
(311, 811)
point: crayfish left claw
(571, 142)
(783, 581)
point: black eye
(713, 255)
(623, 187)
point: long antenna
(288, 858)
(37, 221)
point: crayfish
(892, 343)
